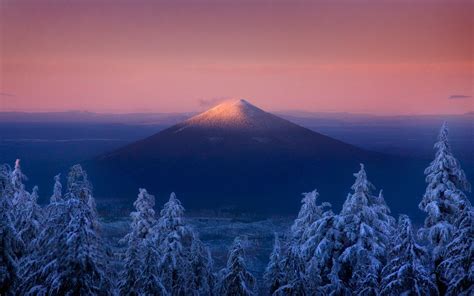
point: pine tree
(17, 178)
(202, 279)
(336, 285)
(294, 282)
(174, 240)
(19, 198)
(149, 281)
(364, 238)
(457, 268)
(29, 223)
(6, 186)
(294, 263)
(234, 279)
(27, 214)
(408, 271)
(69, 259)
(81, 268)
(323, 245)
(8, 237)
(143, 219)
(43, 259)
(132, 269)
(443, 200)
(308, 214)
(273, 275)
(57, 190)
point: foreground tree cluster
(362, 250)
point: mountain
(237, 156)
(231, 130)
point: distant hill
(238, 156)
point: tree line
(362, 250)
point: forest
(57, 249)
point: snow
(235, 114)
(62, 249)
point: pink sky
(382, 57)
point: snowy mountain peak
(235, 114)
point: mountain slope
(234, 155)
(233, 129)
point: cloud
(457, 97)
(4, 94)
(211, 102)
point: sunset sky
(380, 57)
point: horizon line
(137, 112)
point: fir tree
(132, 269)
(8, 238)
(69, 259)
(81, 268)
(273, 275)
(323, 245)
(308, 214)
(57, 190)
(202, 279)
(17, 178)
(174, 241)
(143, 219)
(443, 200)
(149, 281)
(20, 197)
(29, 223)
(457, 268)
(293, 282)
(364, 238)
(294, 263)
(234, 279)
(408, 271)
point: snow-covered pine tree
(409, 270)
(308, 214)
(336, 286)
(55, 200)
(82, 263)
(17, 178)
(8, 237)
(27, 214)
(235, 279)
(322, 246)
(273, 276)
(365, 240)
(42, 261)
(143, 220)
(294, 263)
(149, 281)
(293, 280)
(457, 268)
(57, 190)
(30, 222)
(70, 259)
(132, 269)
(202, 279)
(81, 268)
(174, 240)
(19, 198)
(6, 187)
(444, 198)
(78, 184)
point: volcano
(234, 156)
